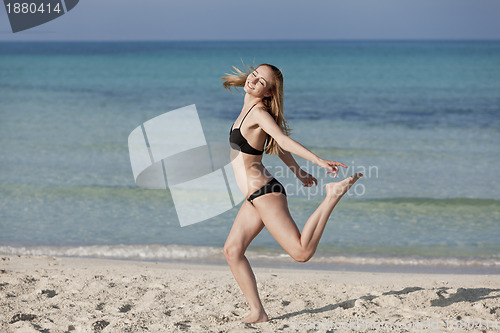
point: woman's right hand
(330, 166)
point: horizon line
(260, 40)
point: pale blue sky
(268, 20)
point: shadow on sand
(471, 295)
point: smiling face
(259, 82)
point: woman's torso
(250, 173)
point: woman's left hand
(307, 179)
(331, 166)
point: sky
(97, 20)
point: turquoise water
(420, 119)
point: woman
(261, 120)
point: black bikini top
(238, 141)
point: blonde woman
(261, 120)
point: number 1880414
(32, 8)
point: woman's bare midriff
(249, 171)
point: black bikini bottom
(272, 186)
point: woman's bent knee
(232, 252)
(302, 256)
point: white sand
(47, 294)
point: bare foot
(337, 190)
(253, 318)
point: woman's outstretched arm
(267, 123)
(290, 162)
(306, 179)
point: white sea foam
(147, 252)
(411, 261)
(207, 253)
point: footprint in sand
(125, 308)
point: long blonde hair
(273, 103)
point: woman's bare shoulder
(262, 111)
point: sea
(420, 119)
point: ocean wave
(210, 254)
(148, 252)
(411, 261)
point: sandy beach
(51, 294)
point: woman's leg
(246, 226)
(273, 210)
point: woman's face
(259, 82)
